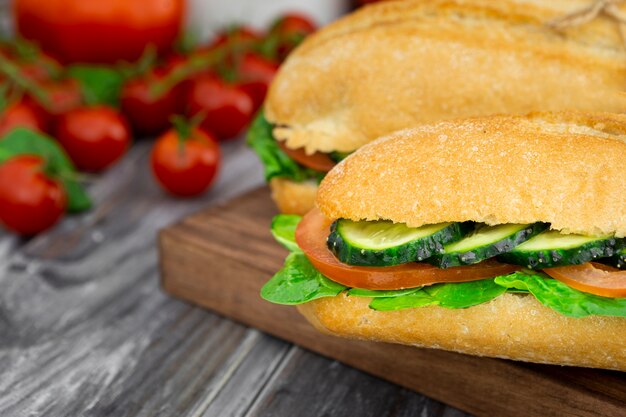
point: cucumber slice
(552, 248)
(619, 259)
(485, 242)
(383, 243)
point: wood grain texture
(236, 237)
(86, 331)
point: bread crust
(293, 197)
(566, 169)
(512, 326)
(396, 64)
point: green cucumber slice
(485, 242)
(619, 259)
(552, 248)
(383, 243)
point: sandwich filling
(451, 265)
(282, 162)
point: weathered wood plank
(328, 389)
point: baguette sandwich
(399, 63)
(497, 236)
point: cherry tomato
(149, 114)
(94, 137)
(99, 31)
(290, 30)
(318, 161)
(185, 166)
(311, 235)
(236, 36)
(294, 23)
(40, 68)
(227, 109)
(30, 201)
(256, 74)
(593, 278)
(63, 96)
(20, 114)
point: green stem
(12, 72)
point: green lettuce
(100, 84)
(299, 282)
(284, 230)
(453, 295)
(562, 298)
(276, 162)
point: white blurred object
(206, 17)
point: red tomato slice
(318, 161)
(311, 235)
(592, 278)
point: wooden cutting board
(220, 258)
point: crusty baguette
(512, 326)
(394, 64)
(566, 169)
(293, 197)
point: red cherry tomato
(63, 96)
(94, 137)
(149, 114)
(41, 68)
(291, 23)
(20, 114)
(185, 167)
(99, 31)
(236, 35)
(30, 201)
(290, 29)
(312, 233)
(227, 109)
(256, 74)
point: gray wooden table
(85, 329)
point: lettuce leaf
(275, 161)
(100, 84)
(284, 230)
(360, 292)
(562, 298)
(299, 282)
(453, 295)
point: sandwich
(399, 63)
(500, 236)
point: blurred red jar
(102, 31)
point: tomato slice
(318, 161)
(592, 278)
(311, 235)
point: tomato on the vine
(294, 23)
(99, 31)
(256, 74)
(62, 96)
(30, 201)
(149, 113)
(236, 36)
(290, 30)
(20, 114)
(185, 160)
(226, 109)
(94, 137)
